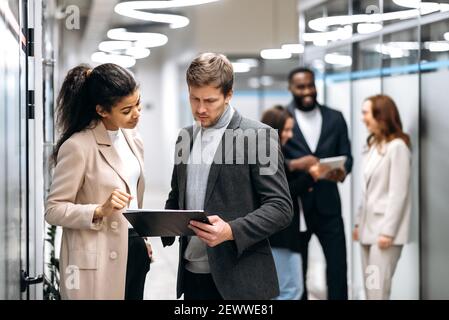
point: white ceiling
(237, 27)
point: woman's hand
(355, 234)
(384, 242)
(116, 201)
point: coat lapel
(108, 151)
(325, 127)
(182, 168)
(141, 182)
(369, 171)
(297, 131)
(218, 163)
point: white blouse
(131, 164)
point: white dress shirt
(310, 124)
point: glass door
(12, 153)
(14, 148)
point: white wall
(245, 26)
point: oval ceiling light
(414, 10)
(144, 39)
(138, 52)
(365, 28)
(293, 48)
(394, 50)
(240, 67)
(112, 46)
(321, 38)
(275, 54)
(175, 21)
(133, 9)
(253, 63)
(408, 3)
(437, 46)
(123, 61)
(446, 36)
(424, 7)
(404, 45)
(338, 59)
(165, 4)
(322, 24)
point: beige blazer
(386, 204)
(93, 256)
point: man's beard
(299, 104)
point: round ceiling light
(133, 9)
(144, 39)
(275, 54)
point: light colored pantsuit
(378, 269)
(385, 210)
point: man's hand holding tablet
(333, 169)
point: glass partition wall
(406, 59)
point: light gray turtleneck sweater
(201, 157)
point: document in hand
(164, 223)
(333, 163)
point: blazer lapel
(108, 151)
(297, 131)
(373, 164)
(141, 182)
(325, 127)
(218, 163)
(182, 169)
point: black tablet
(164, 223)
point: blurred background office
(357, 48)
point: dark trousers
(137, 266)
(331, 234)
(200, 286)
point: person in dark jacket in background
(320, 132)
(286, 243)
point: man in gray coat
(233, 169)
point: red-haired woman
(382, 223)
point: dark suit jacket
(324, 200)
(256, 206)
(299, 183)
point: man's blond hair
(211, 69)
